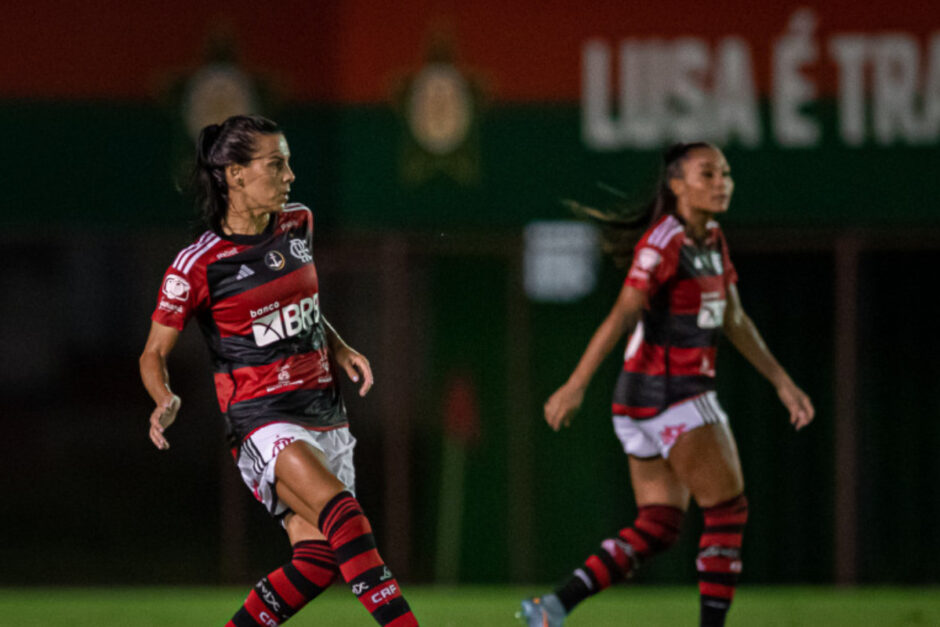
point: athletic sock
(655, 529)
(350, 535)
(285, 591)
(719, 559)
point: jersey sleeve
(299, 218)
(652, 266)
(181, 295)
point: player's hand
(561, 406)
(357, 368)
(797, 403)
(161, 418)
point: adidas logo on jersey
(243, 273)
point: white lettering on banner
(286, 321)
(644, 93)
(905, 97)
(665, 95)
(849, 53)
(792, 90)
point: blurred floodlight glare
(561, 260)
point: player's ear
(677, 186)
(233, 175)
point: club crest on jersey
(298, 249)
(274, 260)
(176, 287)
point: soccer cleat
(545, 611)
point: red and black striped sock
(349, 533)
(285, 591)
(719, 559)
(655, 529)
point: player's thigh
(655, 483)
(303, 480)
(705, 459)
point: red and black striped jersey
(670, 356)
(256, 298)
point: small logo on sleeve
(647, 259)
(176, 287)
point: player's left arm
(743, 334)
(349, 359)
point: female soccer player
(679, 294)
(251, 283)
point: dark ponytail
(218, 146)
(623, 224)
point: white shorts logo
(176, 287)
(286, 321)
(298, 249)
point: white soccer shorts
(259, 450)
(654, 437)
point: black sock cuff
(572, 592)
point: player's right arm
(565, 402)
(156, 379)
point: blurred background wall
(426, 137)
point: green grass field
(469, 606)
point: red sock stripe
(351, 529)
(324, 554)
(360, 564)
(716, 590)
(258, 610)
(655, 528)
(619, 556)
(733, 512)
(335, 511)
(599, 570)
(635, 540)
(316, 573)
(666, 515)
(286, 589)
(721, 539)
(405, 620)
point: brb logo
(284, 322)
(176, 287)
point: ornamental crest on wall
(439, 107)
